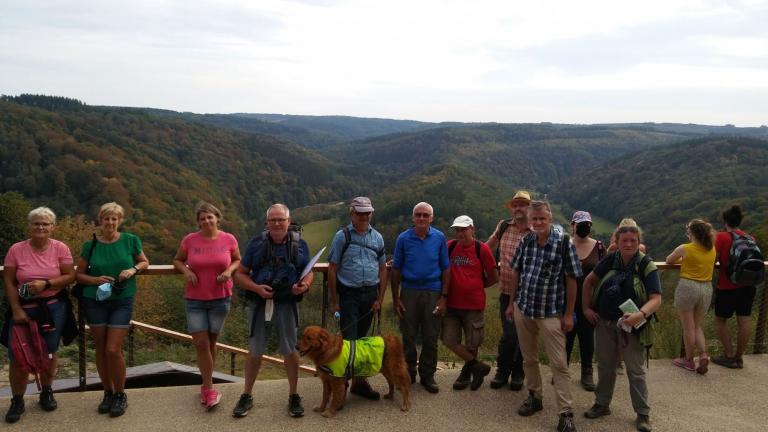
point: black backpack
(452, 245)
(745, 262)
(280, 276)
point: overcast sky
(509, 61)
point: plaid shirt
(507, 248)
(541, 288)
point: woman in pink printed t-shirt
(207, 259)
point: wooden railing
(322, 268)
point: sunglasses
(422, 215)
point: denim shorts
(111, 313)
(57, 309)
(207, 315)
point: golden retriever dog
(323, 348)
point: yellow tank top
(698, 263)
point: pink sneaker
(203, 391)
(212, 398)
(685, 364)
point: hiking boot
(729, 362)
(106, 403)
(596, 411)
(429, 384)
(119, 404)
(530, 405)
(212, 398)
(294, 405)
(479, 371)
(739, 363)
(464, 378)
(47, 402)
(500, 379)
(643, 423)
(243, 406)
(516, 383)
(703, 364)
(362, 388)
(587, 382)
(566, 423)
(684, 363)
(16, 410)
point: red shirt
(467, 287)
(723, 242)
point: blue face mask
(104, 291)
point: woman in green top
(112, 261)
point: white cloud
(432, 60)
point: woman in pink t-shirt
(37, 268)
(207, 259)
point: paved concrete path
(723, 400)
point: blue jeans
(57, 309)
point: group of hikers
(553, 285)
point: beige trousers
(528, 331)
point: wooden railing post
(81, 355)
(232, 363)
(323, 320)
(762, 316)
(131, 359)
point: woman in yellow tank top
(694, 290)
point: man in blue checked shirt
(357, 279)
(421, 260)
(544, 272)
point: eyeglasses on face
(277, 220)
(422, 215)
(41, 224)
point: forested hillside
(664, 187)
(73, 157)
(530, 156)
(157, 167)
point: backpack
(279, 275)
(348, 241)
(452, 245)
(503, 227)
(29, 349)
(745, 262)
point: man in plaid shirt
(507, 236)
(544, 272)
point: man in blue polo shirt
(421, 261)
(357, 279)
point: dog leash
(375, 325)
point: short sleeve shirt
(360, 264)
(255, 252)
(608, 302)
(508, 244)
(109, 259)
(208, 258)
(542, 271)
(33, 265)
(467, 283)
(723, 242)
(421, 262)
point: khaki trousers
(528, 331)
